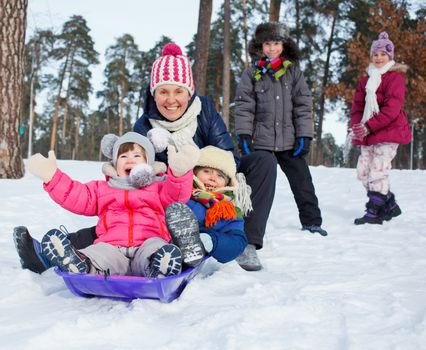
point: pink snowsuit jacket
(390, 124)
(126, 217)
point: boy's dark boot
(184, 229)
(29, 251)
(392, 209)
(375, 209)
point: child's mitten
(360, 130)
(42, 167)
(184, 160)
(160, 139)
(301, 146)
(245, 144)
(207, 242)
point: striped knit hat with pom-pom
(172, 68)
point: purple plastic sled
(127, 288)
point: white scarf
(183, 129)
(371, 106)
(375, 78)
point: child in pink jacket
(379, 125)
(132, 235)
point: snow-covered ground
(362, 287)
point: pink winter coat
(390, 124)
(126, 217)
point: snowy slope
(359, 288)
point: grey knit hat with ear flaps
(272, 31)
(111, 143)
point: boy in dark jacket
(273, 113)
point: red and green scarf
(219, 206)
(273, 66)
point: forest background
(334, 38)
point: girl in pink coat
(379, 124)
(132, 235)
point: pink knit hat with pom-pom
(382, 44)
(172, 68)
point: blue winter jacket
(211, 128)
(229, 239)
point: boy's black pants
(260, 169)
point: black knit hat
(272, 31)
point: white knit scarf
(182, 130)
(371, 106)
(375, 78)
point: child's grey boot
(249, 260)
(166, 261)
(58, 250)
(184, 229)
(315, 229)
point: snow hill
(359, 288)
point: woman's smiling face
(171, 101)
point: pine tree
(74, 52)
(120, 84)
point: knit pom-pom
(383, 35)
(141, 175)
(107, 144)
(171, 49)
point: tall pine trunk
(274, 10)
(57, 107)
(13, 18)
(246, 55)
(321, 112)
(226, 82)
(202, 46)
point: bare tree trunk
(321, 112)
(76, 137)
(226, 84)
(121, 109)
(246, 55)
(274, 10)
(67, 96)
(57, 108)
(13, 21)
(298, 30)
(202, 46)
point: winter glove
(184, 160)
(301, 146)
(245, 144)
(160, 139)
(360, 131)
(207, 242)
(42, 167)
